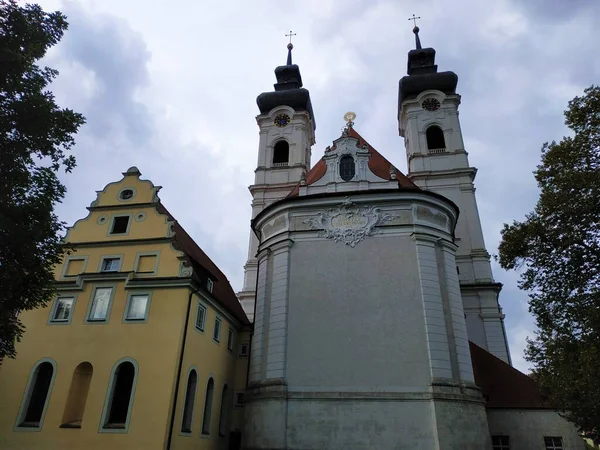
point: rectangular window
(62, 309)
(100, 304)
(553, 443)
(230, 339)
(239, 399)
(500, 443)
(110, 265)
(209, 285)
(120, 225)
(201, 317)
(244, 349)
(137, 308)
(217, 330)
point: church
(369, 317)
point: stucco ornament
(349, 223)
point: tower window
(347, 168)
(435, 138)
(120, 396)
(281, 153)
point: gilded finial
(349, 118)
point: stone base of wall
(444, 416)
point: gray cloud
(116, 60)
(170, 87)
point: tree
(557, 247)
(35, 139)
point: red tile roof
(381, 166)
(377, 164)
(504, 386)
(222, 289)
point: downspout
(179, 367)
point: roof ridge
(223, 291)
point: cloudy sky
(170, 86)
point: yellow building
(144, 346)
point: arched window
(224, 412)
(188, 406)
(120, 396)
(78, 392)
(210, 387)
(435, 138)
(281, 153)
(36, 396)
(347, 168)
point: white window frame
(242, 354)
(553, 445)
(203, 308)
(230, 339)
(148, 296)
(500, 445)
(88, 318)
(52, 319)
(105, 258)
(209, 285)
(217, 330)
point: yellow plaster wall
(154, 345)
(144, 191)
(168, 262)
(210, 359)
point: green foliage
(35, 138)
(558, 249)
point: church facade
(377, 321)
(369, 317)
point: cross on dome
(290, 46)
(416, 30)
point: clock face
(282, 120)
(431, 104)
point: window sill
(114, 426)
(76, 424)
(29, 425)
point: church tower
(287, 132)
(437, 161)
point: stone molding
(462, 394)
(349, 223)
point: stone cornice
(496, 287)
(119, 242)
